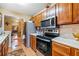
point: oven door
(44, 47)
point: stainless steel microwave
(50, 22)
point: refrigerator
(30, 28)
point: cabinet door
(60, 49)
(33, 42)
(35, 20)
(38, 19)
(76, 52)
(6, 46)
(64, 13)
(75, 12)
(3, 48)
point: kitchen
(50, 30)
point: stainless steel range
(44, 42)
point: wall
(67, 30)
(16, 15)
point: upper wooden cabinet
(67, 13)
(75, 12)
(37, 19)
(64, 13)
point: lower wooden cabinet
(60, 49)
(74, 52)
(33, 42)
(4, 47)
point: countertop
(70, 42)
(3, 36)
(35, 34)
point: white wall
(17, 16)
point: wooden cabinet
(4, 47)
(67, 13)
(74, 52)
(34, 19)
(75, 12)
(64, 13)
(33, 42)
(37, 19)
(60, 49)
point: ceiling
(28, 9)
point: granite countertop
(3, 36)
(70, 42)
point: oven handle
(43, 39)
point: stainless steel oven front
(44, 46)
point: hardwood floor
(27, 51)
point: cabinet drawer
(61, 49)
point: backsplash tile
(67, 30)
